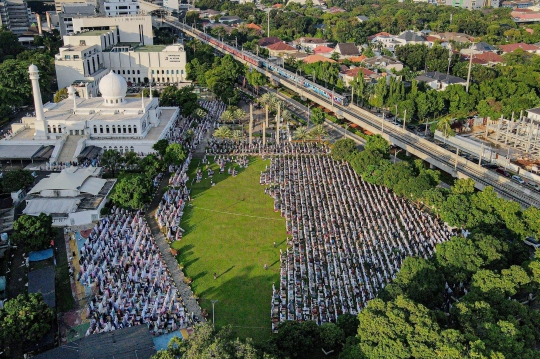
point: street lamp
(213, 317)
(308, 113)
(396, 153)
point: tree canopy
(132, 191)
(33, 233)
(12, 181)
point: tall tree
(33, 233)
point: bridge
(436, 156)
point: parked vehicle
(530, 241)
(502, 171)
(534, 186)
(518, 179)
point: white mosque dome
(113, 87)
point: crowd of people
(226, 146)
(348, 238)
(131, 285)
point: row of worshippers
(226, 146)
(348, 238)
(122, 266)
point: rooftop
(150, 48)
(93, 33)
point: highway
(416, 145)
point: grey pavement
(190, 303)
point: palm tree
(286, 115)
(199, 113)
(445, 126)
(238, 114)
(223, 132)
(237, 135)
(302, 134)
(318, 132)
(267, 99)
(227, 116)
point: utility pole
(470, 67)
(404, 118)
(268, 35)
(250, 123)
(457, 155)
(308, 114)
(213, 316)
(382, 125)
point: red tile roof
(520, 45)
(281, 46)
(254, 27)
(378, 34)
(489, 57)
(316, 58)
(321, 49)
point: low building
(323, 51)
(519, 4)
(479, 48)
(523, 16)
(439, 81)
(230, 20)
(310, 43)
(410, 38)
(485, 59)
(346, 50)
(267, 41)
(384, 62)
(316, 58)
(368, 75)
(362, 18)
(280, 49)
(385, 40)
(533, 49)
(74, 196)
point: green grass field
(230, 231)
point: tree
(335, 56)
(132, 192)
(184, 98)
(223, 132)
(360, 161)
(255, 79)
(318, 132)
(150, 166)
(343, 149)
(317, 116)
(378, 143)
(332, 336)
(111, 159)
(161, 147)
(348, 323)
(33, 233)
(60, 95)
(175, 154)
(301, 134)
(227, 116)
(296, 339)
(25, 318)
(12, 181)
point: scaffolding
(522, 134)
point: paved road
(177, 275)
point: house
(335, 10)
(316, 58)
(230, 20)
(439, 81)
(357, 58)
(525, 17)
(410, 37)
(452, 36)
(383, 33)
(362, 18)
(267, 41)
(206, 14)
(281, 48)
(310, 43)
(347, 49)
(255, 27)
(479, 48)
(384, 40)
(485, 58)
(520, 4)
(533, 49)
(384, 62)
(323, 51)
(350, 74)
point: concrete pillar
(250, 123)
(432, 166)
(39, 25)
(407, 153)
(49, 22)
(266, 110)
(264, 133)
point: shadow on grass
(227, 271)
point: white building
(74, 196)
(15, 15)
(120, 7)
(75, 124)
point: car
(502, 171)
(534, 186)
(411, 127)
(491, 166)
(518, 179)
(530, 241)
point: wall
(130, 28)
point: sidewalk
(190, 303)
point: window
(49, 129)
(95, 129)
(152, 72)
(107, 129)
(67, 57)
(167, 72)
(177, 72)
(75, 57)
(107, 7)
(138, 72)
(128, 72)
(134, 131)
(100, 129)
(162, 72)
(123, 72)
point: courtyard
(230, 230)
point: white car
(534, 186)
(518, 179)
(532, 242)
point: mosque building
(78, 126)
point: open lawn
(230, 231)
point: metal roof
(19, 152)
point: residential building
(384, 40)
(350, 74)
(15, 15)
(384, 62)
(479, 48)
(485, 58)
(348, 49)
(410, 38)
(466, 4)
(362, 18)
(279, 49)
(439, 81)
(254, 27)
(316, 58)
(458, 37)
(519, 4)
(522, 16)
(230, 20)
(323, 51)
(120, 7)
(533, 49)
(310, 43)
(267, 41)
